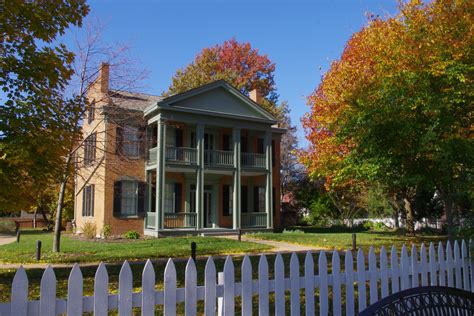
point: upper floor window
(91, 112)
(128, 141)
(90, 149)
(129, 198)
(227, 199)
(88, 200)
(259, 199)
(260, 146)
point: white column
(159, 175)
(269, 179)
(200, 176)
(162, 180)
(236, 207)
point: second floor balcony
(212, 158)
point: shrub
(7, 226)
(107, 231)
(131, 234)
(89, 229)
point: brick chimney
(104, 77)
(255, 96)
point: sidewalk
(6, 239)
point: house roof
(173, 102)
(133, 100)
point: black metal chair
(424, 300)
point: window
(260, 146)
(91, 112)
(88, 200)
(226, 143)
(243, 144)
(227, 200)
(259, 199)
(129, 198)
(173, 193)
(89, 149)
(131, 141)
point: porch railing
(150, 219)
(252, 160)
(181, 155)
(152, 152)
(254, 219)
(218, 158)
(180, 220)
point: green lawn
(342, 239)
(75, 250)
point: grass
(323, 238)
(82, 251)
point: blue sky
(301, 36)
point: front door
(208, 220)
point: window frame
(90, 145)
(131, 143)
(88, 200)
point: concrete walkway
(279, 246)
(6, 239)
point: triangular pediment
(218, 98)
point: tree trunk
(59, 209)
(34, 217)
(410, 217)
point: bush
(107, 231)
(89, 230)
(131, 234)
(7, 226)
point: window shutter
(177, 197)
(243, 144)
(226, 142)
(119, 140)
(255, 199)
(260, 146)
(244, 199)
(273, 200)
(273, 153)
(225, 199)
(141, 197)
(92, 193)
(117, 197)
(84, 201)
(142, 141)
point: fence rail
(180, 220)
(219, 158)
(386, 274)
(181, 155)
(252, 160)
(254, 219)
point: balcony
(252, 160)
(212, 158)
(218, 158)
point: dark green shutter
(141, 197)
(119, 140)
(84, 195)
(92, 193)
(225, 199)
(179, 138)
(244, 203)
(255, 199)
(273, 153)
(260, 146)
(117, 197)
(178, 191)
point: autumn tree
(34, 70)
(396, 109)
(235, 62)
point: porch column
(160, 174)
(200, 176)
(269, 179)
(236, 207)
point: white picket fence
(384, 276)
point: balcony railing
(180, 220)
(150, 219)
(254, 219)
(219, 158)
(152, 152)
(181, 155)
(252, 160)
